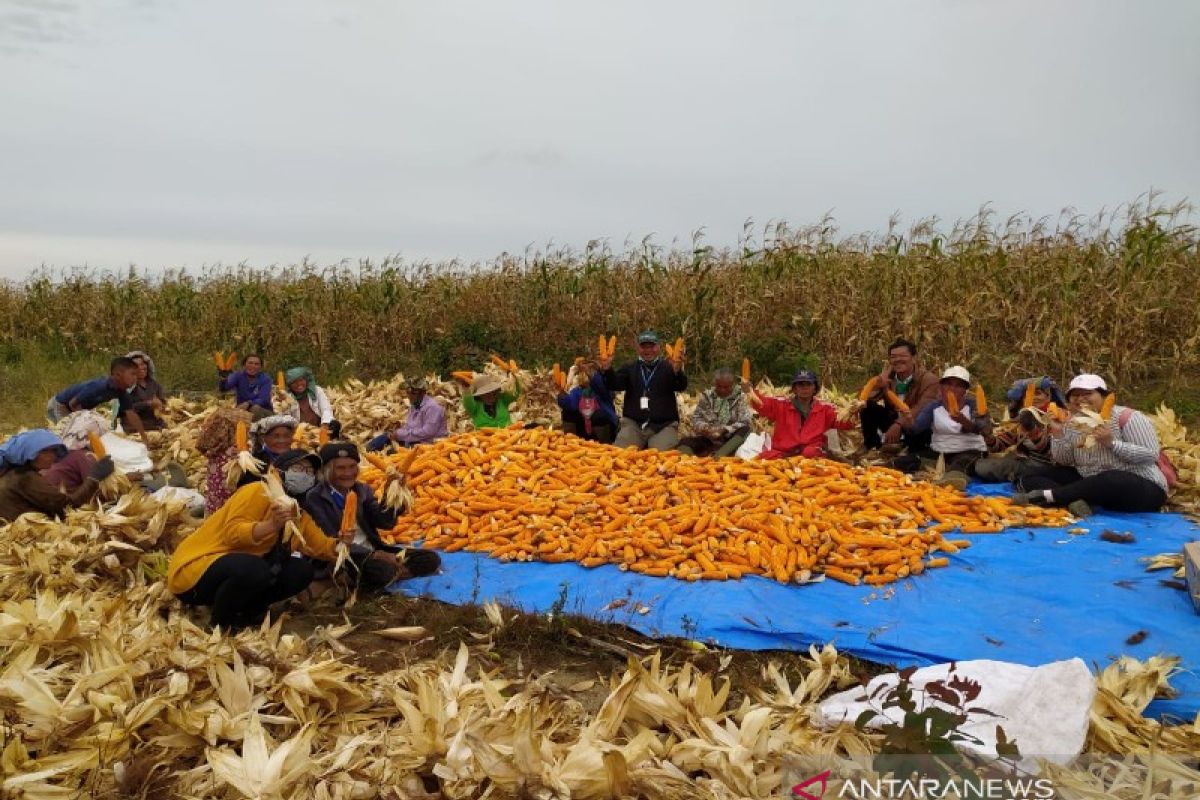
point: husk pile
(108, 688)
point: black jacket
(320, 505)
(659, 383)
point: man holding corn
(899, 394)
(649, 411)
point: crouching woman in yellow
(237, 563)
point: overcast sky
(171, 133)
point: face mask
(297, 481)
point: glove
(1026, 420)
(102, 469)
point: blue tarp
(1028, 595)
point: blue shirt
(89, 394)
(256, 390)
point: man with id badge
(650, 413)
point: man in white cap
(1117, 464)
(958, 438)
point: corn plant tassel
(980, 401)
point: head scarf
(76, 427)
(1016, 392)
(268, 424)
(296, 373)
(149, 362)
(19, 450)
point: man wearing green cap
(650, 413)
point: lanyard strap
(646, 379)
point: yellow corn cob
(612, 345)
(241, 438)
(746, 369)
(1107, 407)
(377, 462)
(896, 402)
(980, 401)
(465, 376)
(97, 446)
(219, 359)
(408, 460)
(323, 435)
(1030, 388)
(231, 362)
(602, 348)
(350, 513)
(279, 384)
(499, 362)
(868, 387)
(951, 403)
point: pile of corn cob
(543, 495)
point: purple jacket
(256, 390)
(424, 424)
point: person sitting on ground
(310, 404)
(958, 439)
(237, 562)
(1022, 447)
(379, 564)
(649, 410)
(87, 395)
(917, 387)
(587, 406)
(251, 387)
(1120, 471)
(23, 489)
(69, 472)
(426, 422)
(272, 436)
(217, 443)
(721, 421)
(486, 402)
(147, 397)
(801, 422)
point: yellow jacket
(230, 530)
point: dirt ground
(573, 653)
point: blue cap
(805, 376)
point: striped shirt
(1134, 449)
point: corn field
(1116, 295)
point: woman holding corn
(956, 431)
(1105, 454)
(251, 386)
(1021, 447)
(23, 489)
(239, 561)
(310, 404)
(378, 563)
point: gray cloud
(212, 131)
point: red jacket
(794, 437)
